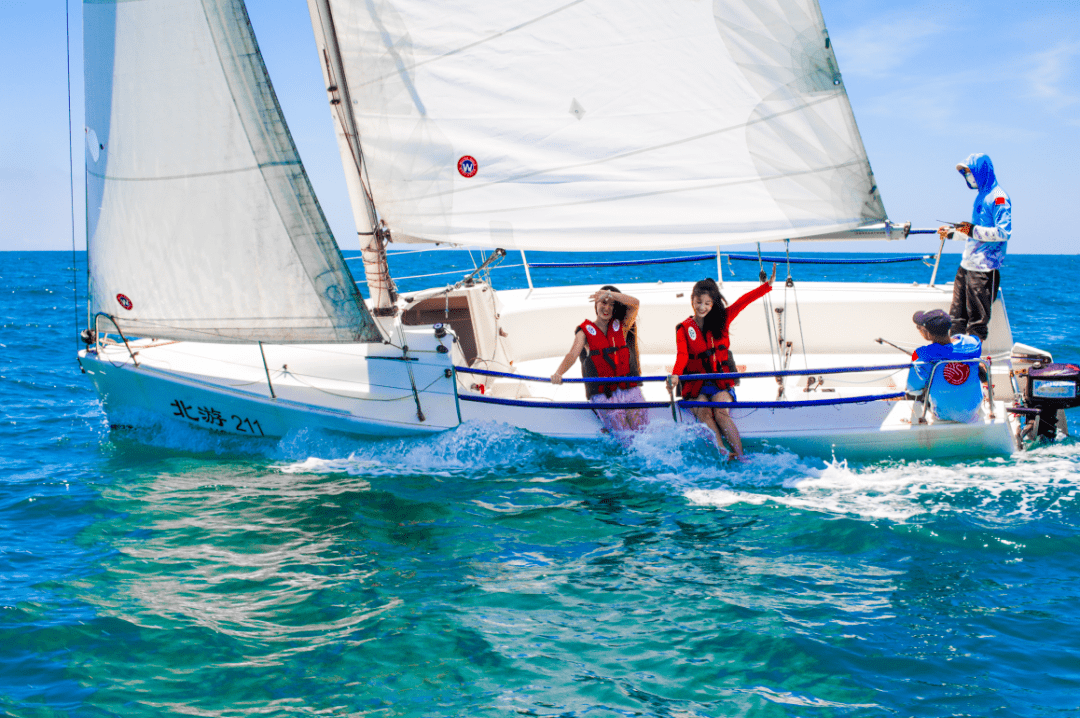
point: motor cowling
(1050, 389)
(1054, 385)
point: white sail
(202, 223)
(611, 124)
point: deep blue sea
(492, 572)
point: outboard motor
(1050, 389)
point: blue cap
(935, 321)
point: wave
(672, 459)
(1030, 486)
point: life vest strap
(605, 352)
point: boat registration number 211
(210, 415)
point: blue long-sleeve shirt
(991, 217)
(956, 392)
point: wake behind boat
(220, 299)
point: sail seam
(402, 68)
(643, 150)
(254, 168)
(638, 195)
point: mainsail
(609, 124)
(201, 221)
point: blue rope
(537, 404)
(624, 263)
(591, 380)
(792, 404)
(806, 260)
(712, 257)
(690, 377)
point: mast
(374, 233)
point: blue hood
(983, 170)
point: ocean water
(491, 572)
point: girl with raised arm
(703, 348)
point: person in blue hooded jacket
(955, 390)
(978, 277)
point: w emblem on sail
(956, 373)
(467, 166)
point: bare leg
(636, 418)
(727, 425)
(616, 420)
(705, 416)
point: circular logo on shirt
(467, 166)
(124, 301)
(590, 329)
(956, 373)
(692, 333)
(615, 325)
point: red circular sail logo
(124, 301)
(467, 166)
(956, 373)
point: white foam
(683, 459)
(1020, 488)
(473, 447)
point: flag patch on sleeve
(999, 200)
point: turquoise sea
(492, 572)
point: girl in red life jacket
(607, 347)
(703, 346)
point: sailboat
(220, 299)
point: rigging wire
(767, 305)
(403, 253)
(456, 271)
(71, 183)
(798, 313)
(436, 248)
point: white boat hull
(366, 395)
(373, 390)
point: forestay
(202, 223)
(609, 124)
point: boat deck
(371, 389)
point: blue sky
(930, 82)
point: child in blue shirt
(955, 392)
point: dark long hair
(618, 311)
(716, 320)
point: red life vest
(705, 355)
(606, 354)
